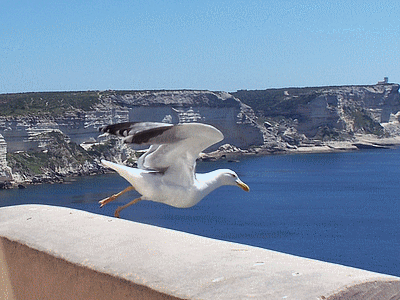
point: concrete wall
(59, 253)
(33, 274)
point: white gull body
(166, 172)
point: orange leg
(113, 197)
(118, 210)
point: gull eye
(233, 175)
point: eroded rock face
(3, 151)
(329, 112)
(294, 118)
(350, 108)
(45, 146)
(25, 133)
(235, 119)
(5, 173)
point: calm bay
(337, 207)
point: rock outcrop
(35, 139)
(5, 172)
(235, 119)
(40, 130)
(327, 113)
(58, 159)
(3, 152)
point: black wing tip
(136, 132)
(144, 137)
(116, 128)
(126, 125)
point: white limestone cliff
(305, 119)
(235, 119)
(5, 173)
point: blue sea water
(340, 207)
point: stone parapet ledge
(49, 252)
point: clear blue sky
(213, 45)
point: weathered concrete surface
(97, 255)
(6, 291)
(32, 274)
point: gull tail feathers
(126, 172)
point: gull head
(228, 177)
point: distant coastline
(46, 137)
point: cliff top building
(385, 80)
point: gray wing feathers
(186, 141)
(173, 147)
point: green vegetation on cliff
(363, 122)
(321, 112)
(277, 102)
(46, 103)
(60, 157)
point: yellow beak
(242, 185)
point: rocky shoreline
(50, 136)
(225, 152)
(360, 142)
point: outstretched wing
(174, 148)
(136, 132)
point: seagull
(165, 173)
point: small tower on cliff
(385, 80)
